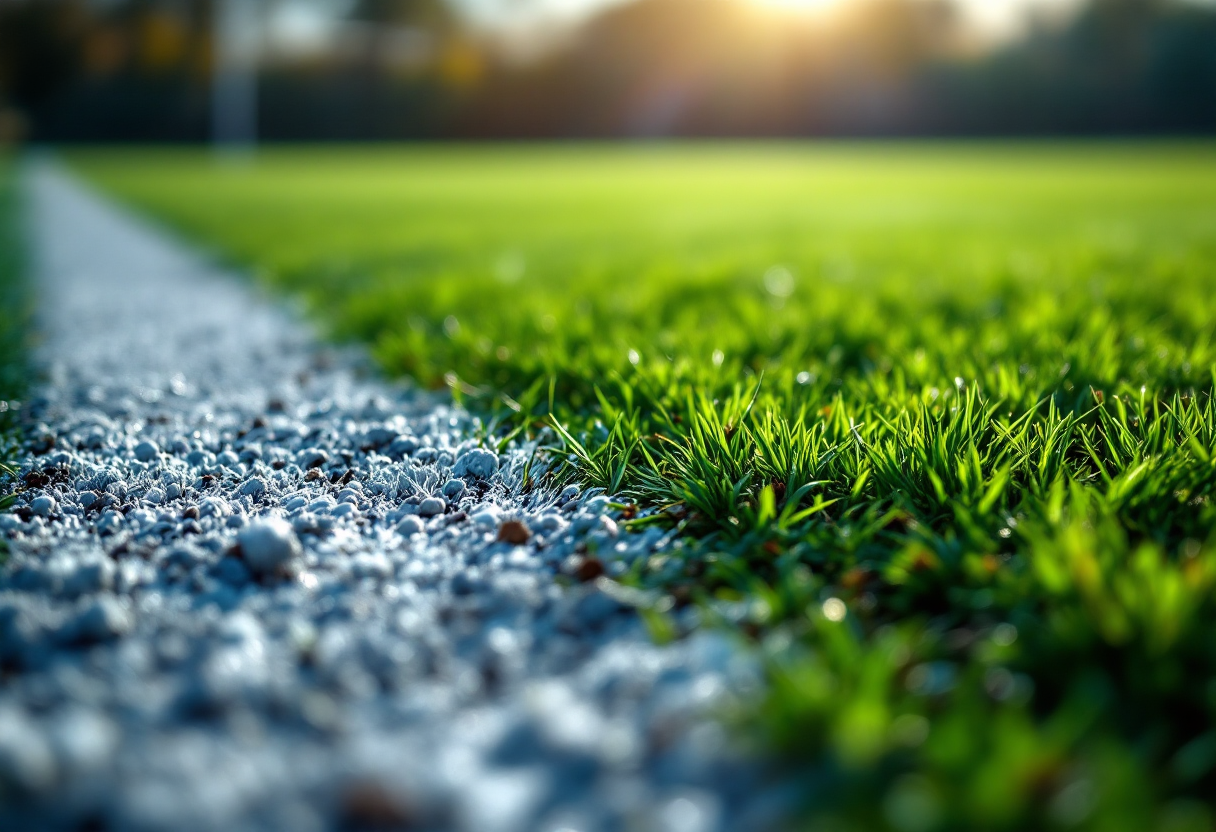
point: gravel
(235, 600)
(268, 546)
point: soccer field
(936, 419)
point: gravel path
(251, 586)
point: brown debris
(514, 532)
(589, 570)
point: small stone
(83, 739)
(268, 545)
(155, 496)
(370, 806)
(402, 446)
(233, 572)
(214, 507)
(551, 523)
(311, 458)
(254, 487)
(477, 463)
(379, 437)
(371, 565)
(44, 506)
(147, 451)
(92, 575)
(410, 525)
(321, 505)
(486, 518)
(596, 505)
(431, 506)
(589, 569)
(465, 584)
(110, 522)
(593, 611)
(43, 440)
(514, 532)
(26, 761)
(305, 522)
(453, 490)
(105, 618)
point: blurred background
(181, 70)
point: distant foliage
(132, 70)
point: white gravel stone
(253, 487)
(410, 525)
(476, 462)
(432, 506)
(146, 451)
(104, 618)
(268, 545)
(27, 763)
(44, 506)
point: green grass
(939, 417)
(13, 317)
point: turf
(13, 317)
(936, 419)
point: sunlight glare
(800, 5)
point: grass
(13, 318)
(938, 418)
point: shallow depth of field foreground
(935, 421)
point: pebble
(27, 763)
(103, 619)
(146, 451)
(44, 506)
(253, 487)
(431, 506)
(410, 525)
(403, 446)
(477, 463)
(311, 458)
(268, 545)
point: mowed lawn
(936, 419)
(13, 314)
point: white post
(234, 88)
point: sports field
(937, 421)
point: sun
(801, 5)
